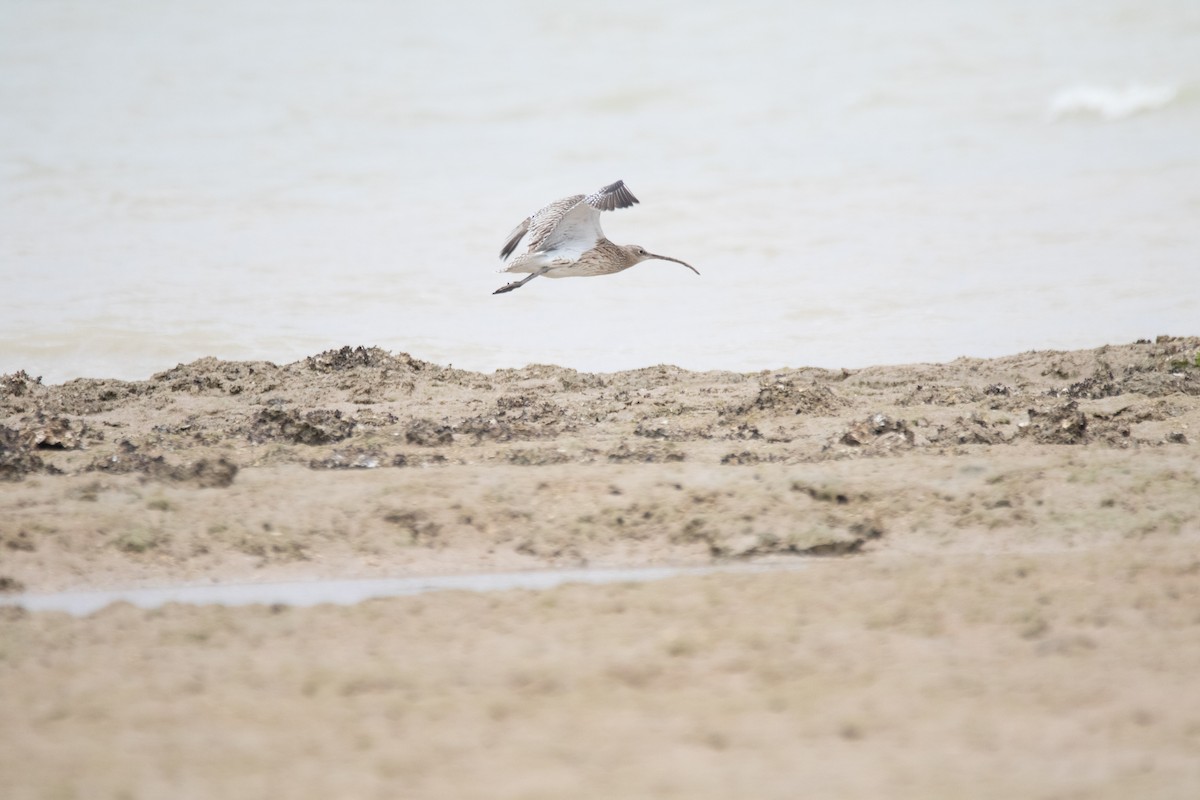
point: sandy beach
(998, 592)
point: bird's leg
(520, 283)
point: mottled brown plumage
(564, 240)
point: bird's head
(640, 254)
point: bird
(565, 240)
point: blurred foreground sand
(1008, 602)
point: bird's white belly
(556, 259)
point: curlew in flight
(565, 240)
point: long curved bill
(677, 261)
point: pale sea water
(857, 182)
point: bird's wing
(575, 231)
(577, 228)
(514, 238)
(543, 226)
(572, 223)
(539, 226)
(611, 197)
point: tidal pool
(349, 592)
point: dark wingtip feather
(514, 239)
(611, 197)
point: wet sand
(999, 598)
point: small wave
(1111, 103)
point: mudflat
(999, 592)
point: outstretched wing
(611, 197)
(578, 230)
(570, 224)
(514, 238)
(540, 225)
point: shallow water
(857, 183)
(350, 592)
